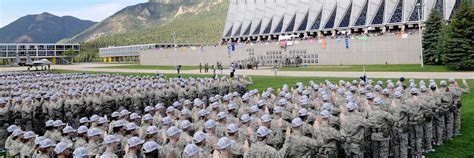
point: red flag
(324, 42)
(283, 44)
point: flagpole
(175, 55)
(419, 5)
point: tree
(70, 54)
(458, 51)
(431, 38)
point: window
(60, 47)
(11, 54)
(32, 53)
(317, 22)
(291, 25)
(238, 31)
(330, 23)
(257, 29)
(50, 53)
(378, 19)
(247, 31)
(279, 26)
(268, 28)
(363, 16)
(345, 21)
(41, 53)
(229, 33)
(456, 5)
(397, 14)
(414, 14)
(439, 6)
(12, 47)
(304, 23)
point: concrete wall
(376, 50)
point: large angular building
(267, 19)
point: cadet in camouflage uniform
(326, 112)
(457, 92)
(4, 112)
(260, 149)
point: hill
(42, 28)
(194, 21)
(134, 18)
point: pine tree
(458, 51)
(431, 37)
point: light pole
(174, 46)
(421, 32)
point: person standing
(200, 67)
(232, 70)
(213, 71)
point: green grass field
(373, 68)
(459, 147)
(150, 67)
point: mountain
(42, 28)
(133, 18)
(193, 21)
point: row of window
(396, 17)
(39, 47)
(31, 53)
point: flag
(230, 48)
(404, 35)
(324, 43)
(362, 38)
(282, 44)
(347, 43)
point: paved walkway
(266, 72)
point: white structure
(132, 52)
(51, 51)
(263, 19)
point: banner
(282, 44)
(347, 42)
(230, 48)
(361, 38)
(324, 43)
(404, 35)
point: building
(267, 19)
(51, 51)
(132, 52)
(314, 32)
(384, 49)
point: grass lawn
(126, 73)
(460, 147)
(150, 67)
(374, 68)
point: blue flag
(347, 43)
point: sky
(95, 10)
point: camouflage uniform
(260, 149)
(4, 118)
